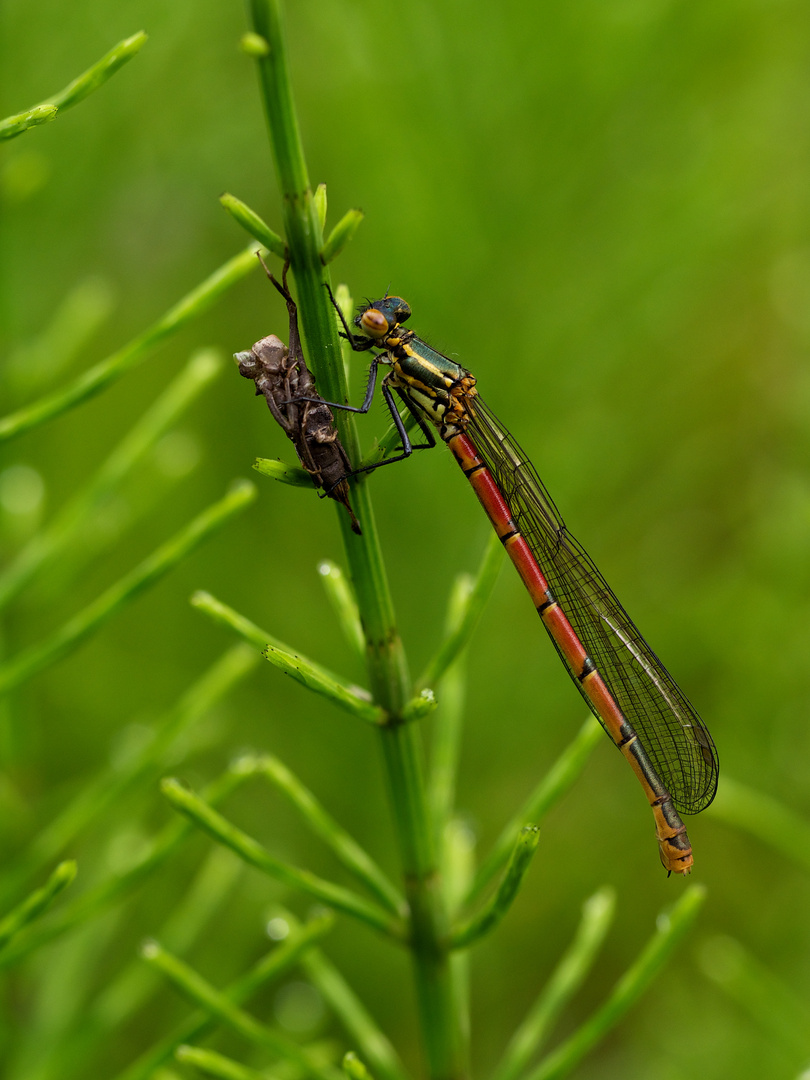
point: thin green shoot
(18, 123)
(142, 765)
(213, 1064)
(341, 596)
(120, 999)
(310, 674)
(50, 542)
(567, 977)
(773, 1006)
(340, 236)
(271, 968)
(148, 573)
(112, 890)
(251, 851)
(223, 1009)
(672, 928)
(253, 224)
(557, 781)
(75, 91)
(108, 371)
(37, 903)
(353, 1015)
(33, 365)
(354, 1068)
(446, 744)
(293, 475)
(485, 920)
(320, 201)
(344, 847)
(98, 73)
(465, 619)
(210, 889)
(355, 1018)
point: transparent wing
(672, 733)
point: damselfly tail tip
(674, 858)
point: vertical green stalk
(388, 672)
(385, 658)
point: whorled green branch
(75, 91)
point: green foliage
(600, 208)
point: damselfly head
(379, 319)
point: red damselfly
(622, 680)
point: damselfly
(286, 383)
(622, 680)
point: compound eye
(402, 311)
(374, 323)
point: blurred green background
(601, 208)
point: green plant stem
(419, 707)
(70, 636)
(495, 909)
(46, 545)
(38, 362)
(98, 73)
(321, 202)
(205, 817)
(363, 1030)
(771, 1005)
(195, 914)
(385, 659)
(445, 749)
(222, 1008)
(108, 892)
(447, 733)
(458, 862)
(293, 475)
(341, 235)
(214, 1064)
(271, 968)
(75, 91)
(305, 672)
(93, 801)
(12, 126)
(565, 980)
(252, 223)
(384, 654)
(468, 612)
(34, 905)
(344, 603)
(671, 930)
(565, 770)
(300, 209)
(344, 847)
(119, 999)
(350, 1011)
(354, 1068)
(299, 667)
(96, 378)
(423, 890)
